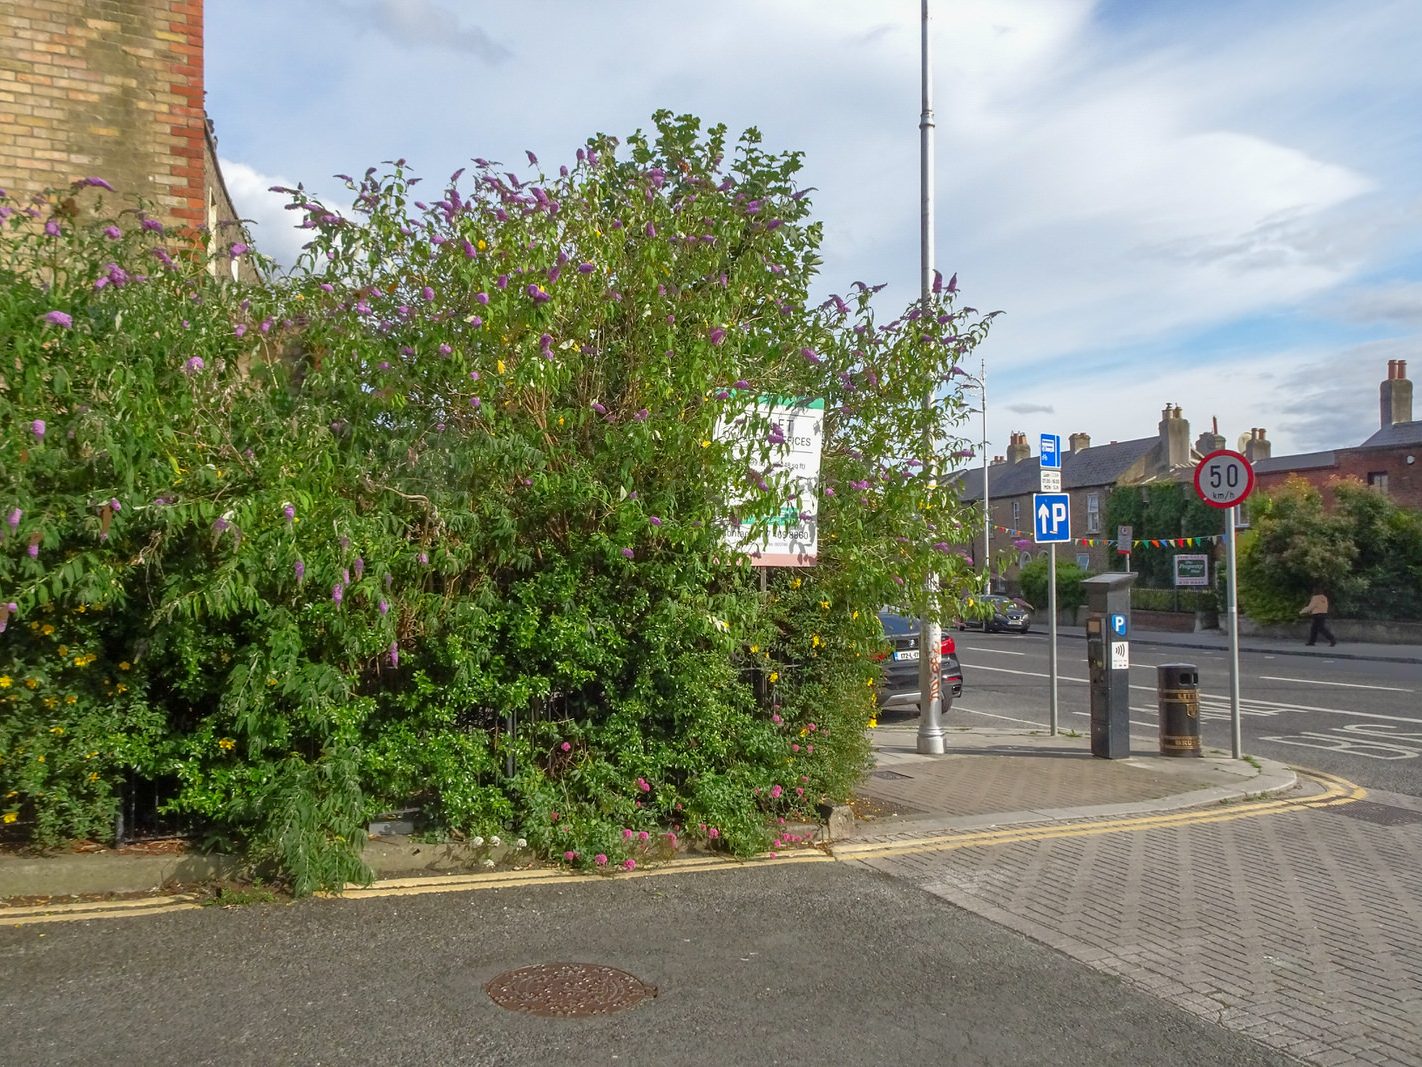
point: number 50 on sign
(1224, 478)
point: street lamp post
(930, 678)
(987, 509)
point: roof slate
(1398, 435)
(1301, 462)
(1100, 465)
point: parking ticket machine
(1108, 662)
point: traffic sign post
(1051, 516)
(1050, 452)
(1224, 479)
(1051, 519)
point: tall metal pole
(1232, 616)
(930, 678)
(1052, 631)
(987, 509)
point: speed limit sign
(1224, 478)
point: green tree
(1070, 594)
(1157, 511)
(443, 516)
(1293, 547)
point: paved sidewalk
(1218, 641)
(1296, 920)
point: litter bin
(1177, 687)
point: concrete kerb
(75, 874)
(1406, 654)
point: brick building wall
(110, 89)
(1400, 479)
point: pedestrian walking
(1317, 608)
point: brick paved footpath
(1302, 929)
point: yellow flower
(47, 629)
(30, 683)
(873, 723)
(854, 615)
(39, 759)
(226, 744)
(705, 443)
(5, 681)
(499, 366)
(50, 702)
(58, 731)
(774, 676)
(122, 688)
(824, 605)
(64, 650)
(795, 583)
(560, 420)
(481, 244)
(71, 699)
(93, 776)
(10, 816)
(125, 665)
(271, 681)
(815, 641)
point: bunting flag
(1144, 542)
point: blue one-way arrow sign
(1050, 452)
(1051, 513)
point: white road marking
(1346, 685)
(1030, 674)
(998, 651)
(990, 715)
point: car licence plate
(907, 654)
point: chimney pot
(1402, 368)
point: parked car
(989, 613)
(899, 688)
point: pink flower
(566, 747)
(713, 833)
(58, 318)
(600, 860)
(629, 863)
(799, 790)
(570, 855)
(776, 719)
(13, 519)
(644, 785)
(627, 835)
(552, 816)
(794, 748)
(37, 428)
(775, 792)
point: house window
(1378, 480)
(1093, 512)
(1017, 514)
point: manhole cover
(1382, 814)
(567, 990)
(888, 774)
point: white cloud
(273, 228)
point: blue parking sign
(1119, 625)
(1051, 517)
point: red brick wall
(105, 88)
(1404, 480)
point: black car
(995, 612)
(899, 688)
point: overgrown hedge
(299, 552)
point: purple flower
(114, 505)
(475, 403)
(289, 512)
(741, 383)
(193, 365)
(384, 607)
(37, 428)
(51, 228)
(628, 553)
(810, 354)
(475, 321)
(14, 518)
(641, 415)
(424, 558)
(537, 295)
(152, 225)
(98, 182)
(554, 273)
(300, 569)
(240, 329)
(427, 293)
(394, 653)
(599, 408)
(717, 335)
(113, 233)
(586, 268)
(238, 249)
(33, 550)
(445, 350)
(220, 524)
(655, 520)
(58, 318)
(338, 593)
(502, 281)
(481, 298)
(359, 567)
(651, 230)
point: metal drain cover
(567, 990)
(888, 774)
(1382, 814)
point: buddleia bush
(440, 516)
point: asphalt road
(804, 964)
(1356, 718)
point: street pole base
(931, 739)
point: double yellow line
(1335, 791)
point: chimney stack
(1396, 394)
(1018, 449)
(1080, 442)
(1211, 440)
(1174, 439)
(1258, 446)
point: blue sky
(1216, 204)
